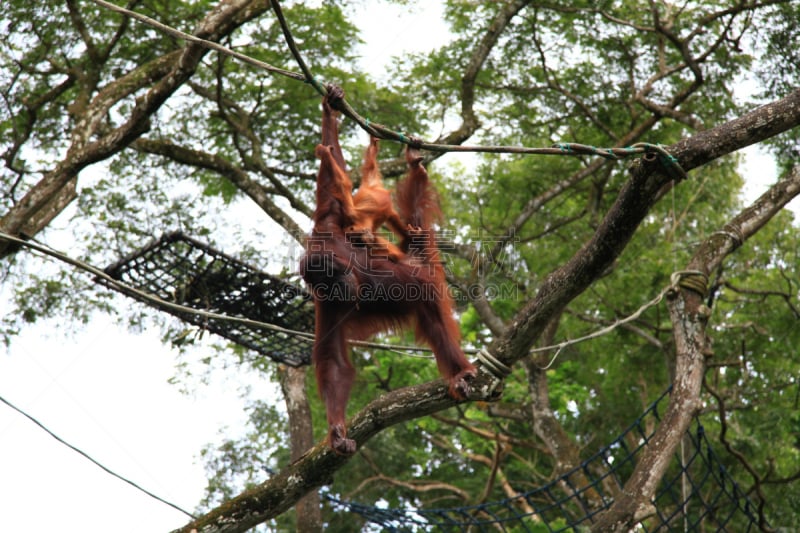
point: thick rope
(689, 279)
(379, 130)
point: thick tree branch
(689, 316)
(546, 425)
(633, 203)
(317, 467)
(172, 71)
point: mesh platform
(182, 270)
(696, 494)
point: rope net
(696, 494)
(184, 271)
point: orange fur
(357, 292)
(373, 206)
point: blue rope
(716, 500)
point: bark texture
(301, 433)
(649, 178)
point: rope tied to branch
(499, 371)
(693, 280)
(495, 367)
(733, 232)
(667, 160)
(375, 129)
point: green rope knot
(673, 168)
(693, 280)
(315, 83)
(667, 160)
(564, 147)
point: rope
(669, 162)
(197, 40)
(161, 303)
(689, 279)
(495, 367)
(733, 232)
(309, 78)
(97, 463)
(693, 280)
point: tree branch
(226, 169)
(172, 70)
(689, 316)
(317, 467)
(633, 203)
(469, 121)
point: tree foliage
(116, 131)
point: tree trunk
(547, 427)
(689, 316)
(301, 435)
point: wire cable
(154, 300)
(95, 461)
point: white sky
(105, 390)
